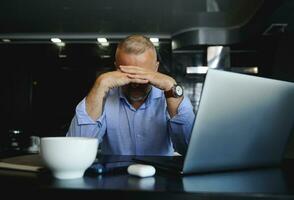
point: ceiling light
(154, 40)
(6, 40)
(102, 40)
(105, 44)
(56, 40)
(196, 70)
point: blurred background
(52, 51)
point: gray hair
(135, 44)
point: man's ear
(157, 66)
(116, 67)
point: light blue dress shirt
(149, 130)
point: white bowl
(68, 157)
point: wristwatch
(176, 91)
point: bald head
(136, 45)
(136, 50)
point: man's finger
(140, 81)
(132, 69)
(138, 76)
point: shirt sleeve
(180, 126)
(82, 125)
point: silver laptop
(243, 121)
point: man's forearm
(173, 105)
(180, 125)
(95, 101)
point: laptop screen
(242, 121)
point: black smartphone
(101, 168)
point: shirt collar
(155, 93)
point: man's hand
(105, 82)
(115, 79)
(159, 80)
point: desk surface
(250, 184)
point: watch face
(179, 90)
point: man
(135, 110)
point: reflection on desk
(251, 181)
(262, 181)
(112, 182)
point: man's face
(147, 60)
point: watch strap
(169, 93)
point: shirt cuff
(185, 112)
(83, 117)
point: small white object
(141, 170)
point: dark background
(40, 88)
(41, 83)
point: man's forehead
(127, 58)
(150, 51)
